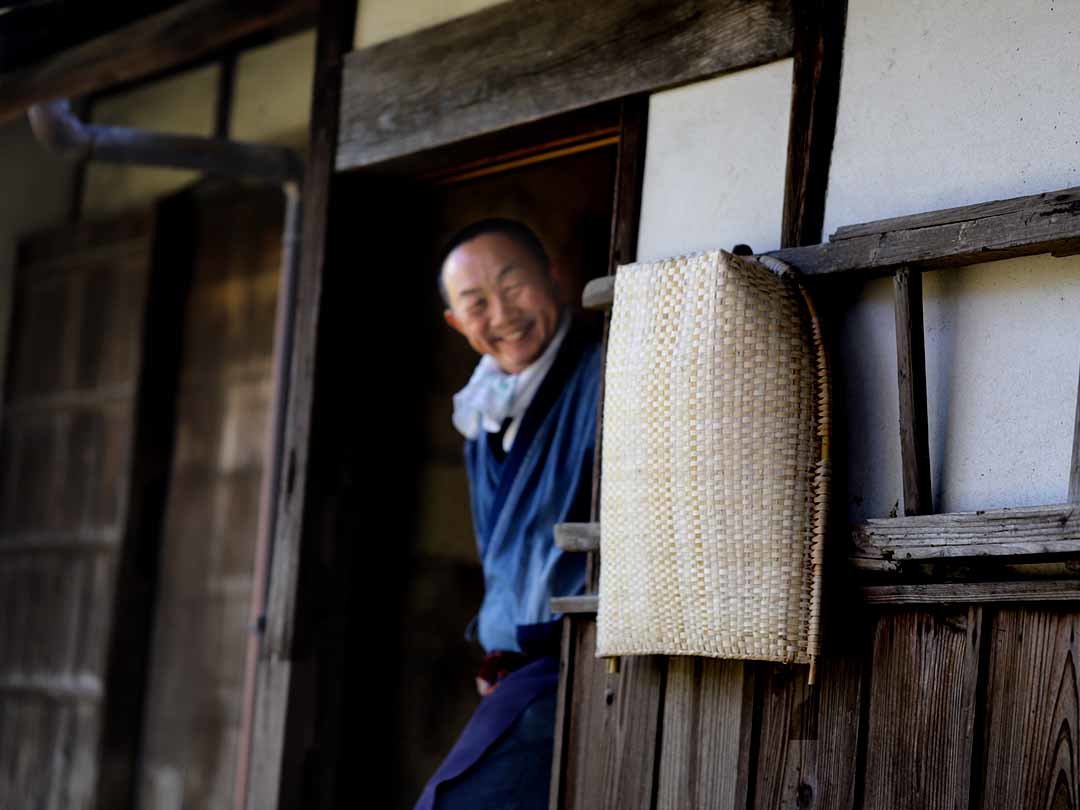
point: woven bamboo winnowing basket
(715, 463)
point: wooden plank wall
(195, 675)
(64, 483)
(966, 707)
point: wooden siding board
(809, 735)
(1032, 754)
(708, 713)
(922, 709)
(614, 719)
(520, 61)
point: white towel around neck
(492, 396)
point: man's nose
(501, 310)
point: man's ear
(452, 320)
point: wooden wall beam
(953, 237)
(1015, 532)
(287, 683)
(911, 382)
(526, 60)
(815, 95)
(177, 36)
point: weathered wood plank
(972, 593)
(626, 217)
(586, 603)
(610, 759)
(922, 710)
(1031, 751)
(994, 532)
(1043, 223)
(287, 681)
(177, 36)
(815, 95)
(708, 716)
(521, 61)
(578, 536)
(911, 382)
(809, 735)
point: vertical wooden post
(911, 377)
(1074, 468)
(626, 214)
(815, 95)
(293, 719)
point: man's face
(501, 299)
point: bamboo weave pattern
(715, 469)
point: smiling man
(528, 416)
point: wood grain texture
(578, 536)
(708, 716)
(626, 217)
(586, 603)
(972, 593)
(69, 499)
(911, 382)
(994, 532)
(815, 95)
(615, 718)
(954, 237)
(177, 36)
(809, 735)
(1032, 754)
(922, 710)
(287, 683)
(525, 60)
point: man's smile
(515, 336)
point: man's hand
(484, 688)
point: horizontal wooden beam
(577, 536)
(900, 595)
(971, 593)
(586, 603)
(178, 36)
(888, 542)
(954, 237)
(526, 60)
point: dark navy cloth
(503, 757)
(544, 479)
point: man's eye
(476, 308)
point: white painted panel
(868, 412)
(714, 163)
(380, 20)
(944, 103)
(1002, 357)
(949, 102)
(272, 95)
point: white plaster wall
(272, 94)
(380, 20)
(183, 104)
(714, 163)
(943, 103)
